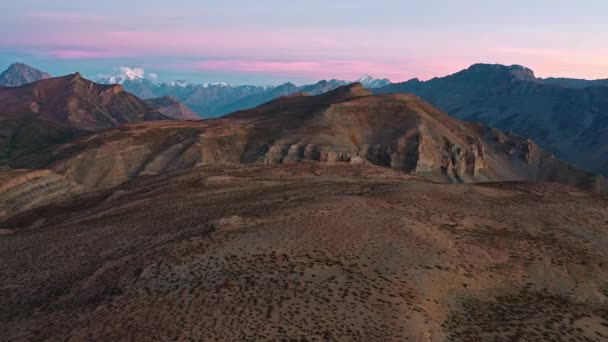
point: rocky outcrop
(416, 155)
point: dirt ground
(308, 252)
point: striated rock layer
(22, 190)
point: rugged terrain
(308, 252)
(341, 216)
(565, 116)
(345, 125)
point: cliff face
(414, 154)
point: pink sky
(345, 39)
(311, 52)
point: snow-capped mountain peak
(180, 83)
(132, 74)
(369, 82)
(124, 74)
(365, 78)
(216, 84)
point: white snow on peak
(126, 74)
(216, 84)
(365, 78)
(132, 74)
(180, 83)
(370, 82)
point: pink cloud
(64, 16)
(254, 43)
(81, 54)
(305, 52)
(308, 52)
(210, 40)
(346, 69)
(258, 66)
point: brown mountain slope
(75, 102)
(345, 125)
(172, 107)
(53, 111)
(25, 136)
(309, 251)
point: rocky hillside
(346, 125)
(56, 110)
(19, 74)
(567, 117)
(75, 102)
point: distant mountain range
(569, 117)
(210, 100)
